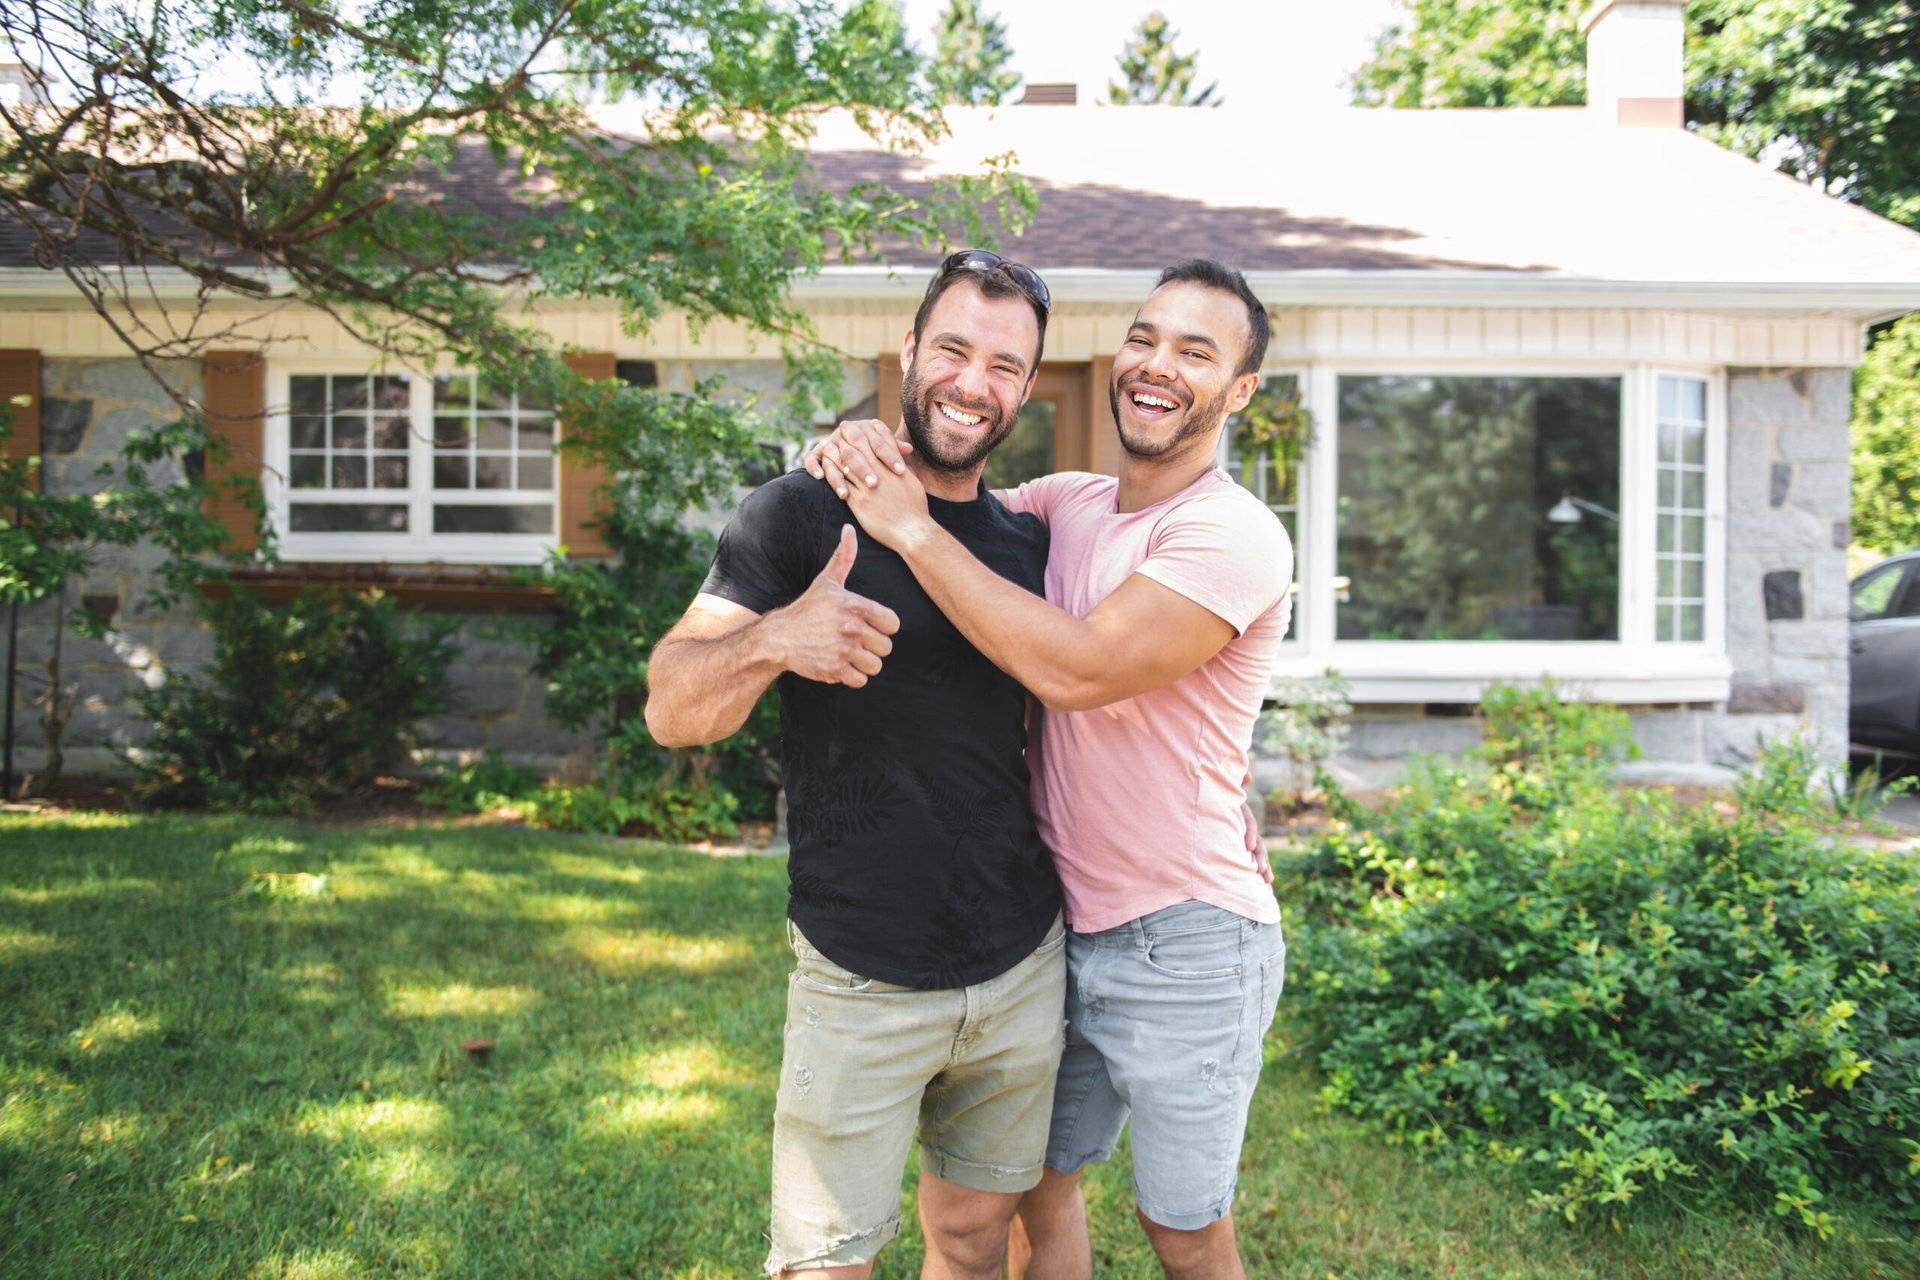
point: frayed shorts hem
(978, 1177)
(849, 1250)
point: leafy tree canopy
(1886, 442)
(1155, 72)
(1829, 90)
(971, 54)
(425, 171)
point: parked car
(1885, 617)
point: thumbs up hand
(830, 634)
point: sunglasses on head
(1025, 277)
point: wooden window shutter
(20, 376)
(1106, 440)
(235, 395)
(886, 393)
(580, 479)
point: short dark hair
(993, 285)
(1212, 275)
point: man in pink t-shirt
(1167, 597)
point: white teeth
(964, 419)
(1157, 402)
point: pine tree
(1157, 73)
(970, 56)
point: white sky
(1285, 54)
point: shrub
(1618, 997)
(675, 815)
(1540, 743)
(1307, 726)
(480, 786)
(678, 815)
(608, 617)
(307, 700)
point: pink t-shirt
(1140, 800)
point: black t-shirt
(915, 859)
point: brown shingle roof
(1485, 193)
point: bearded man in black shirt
(923, 909)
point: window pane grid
(1680, 512)
(365, 455)
(488, 439)
(1278, 486)
(348, 432)
(348, 455)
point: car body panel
(1885, 644)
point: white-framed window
(408, 467)
(1479, 507)
(1469, 520)
(1270, 473)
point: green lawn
(231, 1047)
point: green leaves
(1623, 998)
(308, 699)
(1886, 442)
(1479, 53)
(1154, 71)
(1822, 89)
(423, 171)
(970, 56)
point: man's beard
(1198, 422)
(916, 408)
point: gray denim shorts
(1165, 1015)
(865, 1063)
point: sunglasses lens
(1024, 276)
(1029, 279)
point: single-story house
(1578, 380)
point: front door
(1066, 425)
(1051, 432)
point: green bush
(677, 815)
(672, 814)
(594, 651)
(311, 699)
(1620, 997)
(1540, 743)
(480, 786)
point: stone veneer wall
(89, 407)
(1789, 498)
(1789, 507)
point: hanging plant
(1276, 427)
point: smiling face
(967, 375)
(1175, 379)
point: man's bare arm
(706, 674)
(1141, 637)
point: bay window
(1462, 524)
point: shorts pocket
(1056, 938)
(813, 970)
(1195, 951)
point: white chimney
(20, 87)
(1637, 62)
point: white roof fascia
(1870, 302)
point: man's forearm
(1062, 660)
(702, 690)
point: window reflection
(1446, 485)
